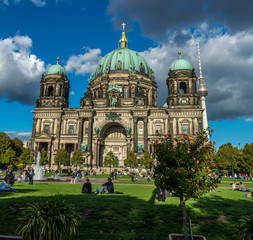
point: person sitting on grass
(234, 186)
(86, 186)
(108, 186)
(4, 187)
(242, 187)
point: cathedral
(119, 111)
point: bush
(115, 170)
(245, 226)
(49, 220)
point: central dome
(123, 60)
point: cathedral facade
(118, 112)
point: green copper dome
(56, 69)
(180, 64)
(123, 60)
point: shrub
(10, 166)
(48, 220)
(245, 226)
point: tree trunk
(182, 204)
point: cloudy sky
(34, 32)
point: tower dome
(123, 60)
(56, 69)
(180, 64)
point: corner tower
(54, 88)
(182, 84)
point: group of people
(242, 187)
(107, 187)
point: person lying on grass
(4, 187)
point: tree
(5, 142)
(61, 157)
(8, 157)
(17, 145)
(110, 160)
(131, 159)
(246, 159)
(227, 157)
(146, 160)
(25, 157)
(77, 158)
(43, 157)
(184, 168)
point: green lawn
(133, 215)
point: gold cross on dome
(123, 24)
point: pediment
(44, 136)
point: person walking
(11, 178)
(31, 174)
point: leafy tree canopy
(43, 157)
(184, 167)
(5, 142)
(110, 160)
(25, 157)
(131, 159)
(146, 160)
(17, 145)
(8, 157)
(77, 158)
(61, 157)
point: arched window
(50, 91)
(182, 88)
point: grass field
(133, 215)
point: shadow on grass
(125, 217)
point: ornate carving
(97, 130)
(129, 130)
(112, 116)
(83, 147)
(140, 148)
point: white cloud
(84, 63)
(39, 3)
(71, 93)
(20, 71)
(249, 119)
(226, 64)
(24, 136)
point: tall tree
(246, 160)
(25, 156)
(17, 145)
(110, 160)
(146, 160)
(8, 157)
(43, 157)
(131, 160)
(5, 142)
(61, 157)
(77, 158)
(227, 157)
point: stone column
(80, 132)
(40, 126)
(145, 120)
(135, 134)
(89, 147)
(58, 131)
(49, 153)
(34, 126)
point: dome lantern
(123, 43)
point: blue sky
(34, 32)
